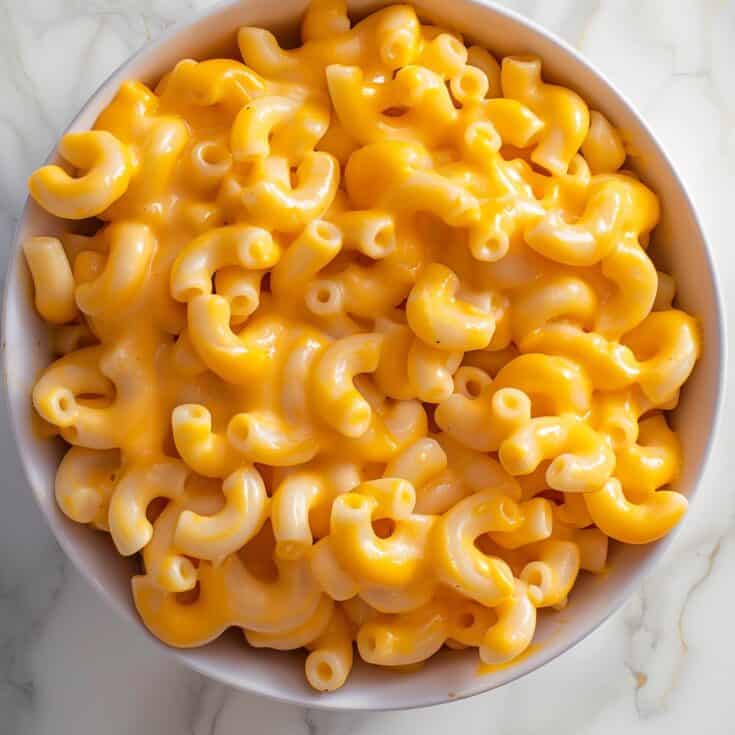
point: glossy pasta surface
(366, 353)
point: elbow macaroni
(373, 322)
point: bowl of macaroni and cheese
(364, 356)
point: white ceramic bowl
(680, 248)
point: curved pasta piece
(634, 523)
(206, 452)
(468, 622)
(399, 175)
(581, 460)
(300, 636)
(388, 39)
(554, 384)
(184, 625)
(314, 248)
(443, 321)
(213, 537)
(667, 344)
(393, 426)
(407, 639)
(335, 397)
(565, 115)
(324, 19)
(515, 123)
(274, 125)
(108, 165)
(427, 109)
(236, 358)
(55, 396)
(617, 205)
(132, 247)
(271, 607)
(537, 525)
(430, 371)
(330, 661)
(548, 300)
(551, 577)
(459, 563)
(481, 420)
(395, 496)
(418, 462)
(482, 59)
(653, 462)
(603, 148)
(164, 563)
(609, 365)
(329, 573)
(371, 232)
(286, 208)
(293, 500)
(207, 164)
(211, 82)
(249, 247)
(391, 374)
(85, 482)
(53, 281)
(265, 437)
(615, 414)
(513, 632)
(241, 289)
(129, 527)
(396, 560)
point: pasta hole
(473, 388)
(214, 154)
(384, 237)
(189, 294)
(155, 508)
(466, 620)
(384, 527)
(510, 401)
(324, 671)
(182, 569)
(396, 111)
(242, 304)
(327, 232)
(324, 297)
(190, 596)
(198, 412)
(64, 403)
(619, 435)
(533, 576)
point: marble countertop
(661, 665)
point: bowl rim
(623, 593)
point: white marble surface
(661, 665)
